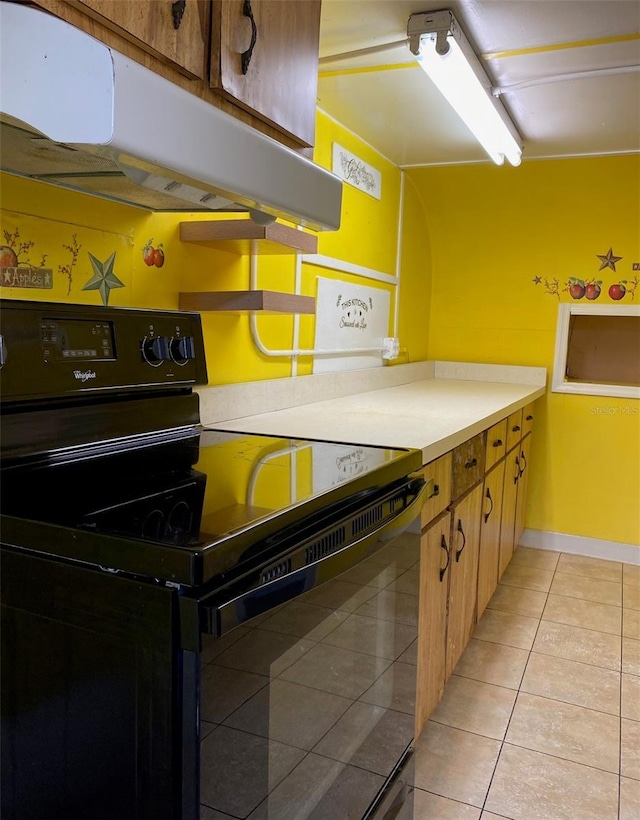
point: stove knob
(155, 350)
(182, 349)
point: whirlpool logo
(84, 375)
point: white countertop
(433, 414)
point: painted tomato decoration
(148, 253)
(617, 291)
(158, 257)
(8, 258)
(576, 291)
(592, 290)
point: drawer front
(440, 497)
(527, 419)
(468, 464)
(496, 444)
(514, 429)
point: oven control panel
(56, 350)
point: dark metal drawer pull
(497, 442)
(245, 57)
(529, 418)
(464, 540)
(443, 546)
(470, 464)
(177, 10)
(516, 429)
(486, 515)
(435, 491)
(520, 472)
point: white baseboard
(580, 545)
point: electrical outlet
(390, 348)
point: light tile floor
(541, 718)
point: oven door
(307, 709)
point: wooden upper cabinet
(277, 79)
(149, 24)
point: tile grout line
(621, 673)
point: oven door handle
(218, 618)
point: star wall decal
(608, 260)
(103, 278)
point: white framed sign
(350, 317)
(354, 171)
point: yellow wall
(492, 232)
(54, 219)
(474, 240)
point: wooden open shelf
(237, 235)
(245, 301)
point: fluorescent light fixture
(443, 51)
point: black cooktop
(190, 508)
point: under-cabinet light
(443, 51)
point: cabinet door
(465, 542)
(435, 564)
(264, 56)
(150, 25)
(488, 561)
(521, 500)
(509, 499)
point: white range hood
(78, 114)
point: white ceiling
(386, 99)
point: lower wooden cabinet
(490, 522)
(465, 549)
(435, 564)
(465, 546)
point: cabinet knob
(497, 443)
(516, 429)
(529, 418)
(470, 464)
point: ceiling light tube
(443, 51)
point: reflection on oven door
(307, 710)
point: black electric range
(126, 520)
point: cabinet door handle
(471, 463)
(443, 546)
(521, 471)
(435, 492)
(516, 428)
(245, 57)
(486, 515)
(518, 473)
(464, 540)
(497, 443)
(177, 11)
(528, 418)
